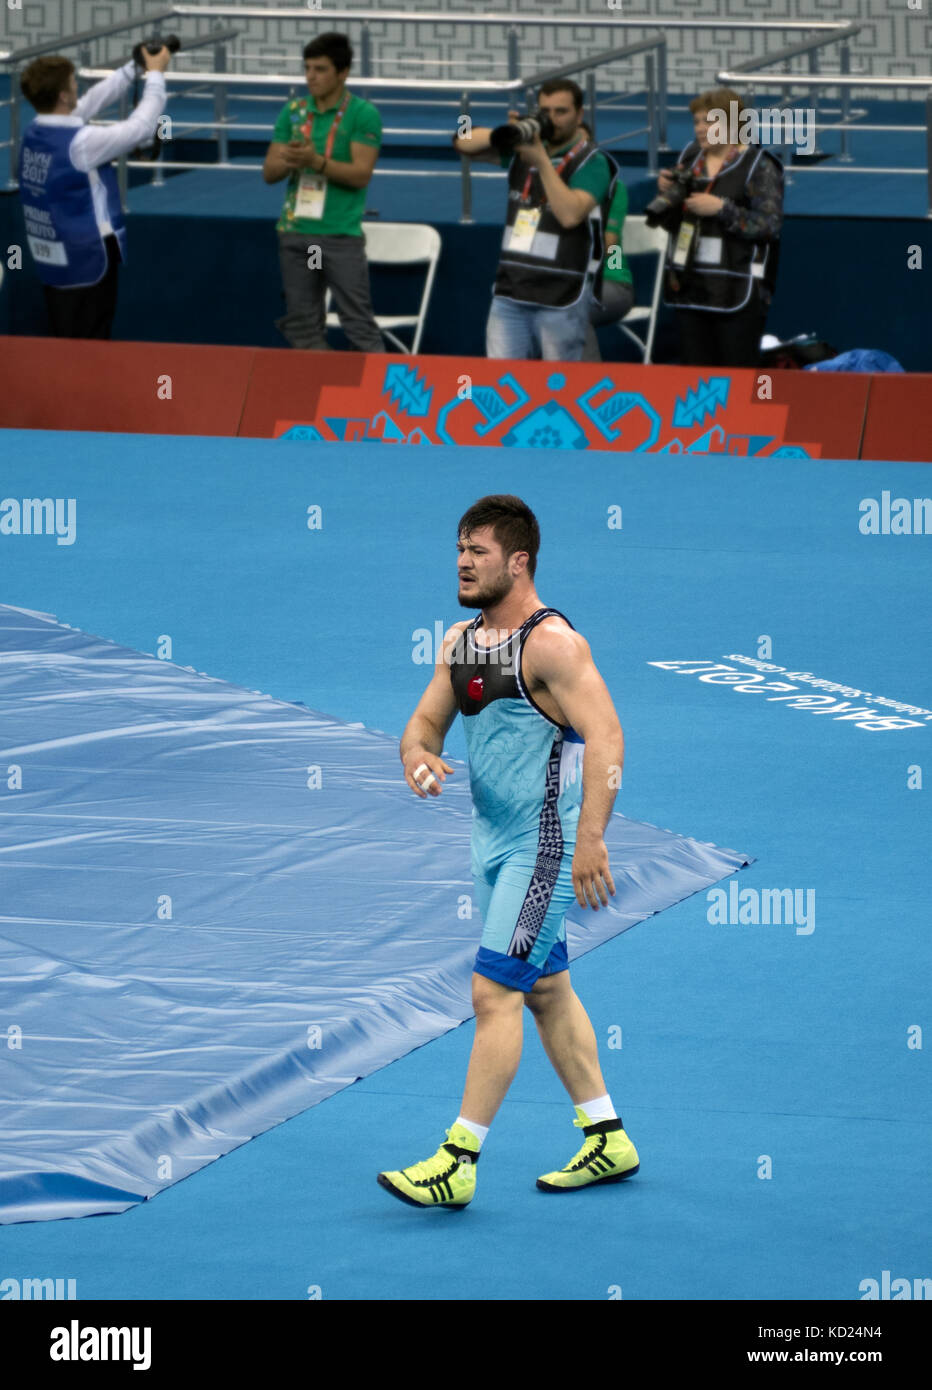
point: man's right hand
(664, 181)
(156, 61)
(416, 761)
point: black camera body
(505, 138)
(684, 183)
(170, 41)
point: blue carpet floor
(766, 1073)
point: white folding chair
(399, 243)
(639, 239)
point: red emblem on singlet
(474, 688)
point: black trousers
(87, 312)
(708, 339)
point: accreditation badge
(311, 196)
(47, 252)
(685, 241)
(709, 250)
(524, 229)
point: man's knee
(550, 990)
(488, 996)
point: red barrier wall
(899, 420)
(173, 388)
(60, 384)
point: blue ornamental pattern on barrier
(707, 399)
(615, 407)
(406, 389)
(601, 414)
(490, 404)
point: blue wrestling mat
(769, 661)
(218, 910)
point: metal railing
(655, 78)
(221, 82)
(656, 87)
(513, 24)
(847, 81)
(809, 48)
(219, 38)
(612, 20)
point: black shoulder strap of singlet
(525, 628)
(528, 623)
(537, 617)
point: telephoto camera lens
(504, 138)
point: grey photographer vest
(554, 276)
(726, 286)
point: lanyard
(560, 167)
(308, 127)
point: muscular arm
(422, 740)
(562, 660)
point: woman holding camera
(724, 212)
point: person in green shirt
(617, 294)
(326, 145)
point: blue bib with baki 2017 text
(58, 209)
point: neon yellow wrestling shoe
(607, 1156)
(446, 1180)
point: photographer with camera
(722, 252)
(71, 200)
(558, 188)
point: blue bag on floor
(858, 360)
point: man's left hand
(704, 204)
(534, 153)
(591, 873)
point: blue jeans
(527, 330)
(617, 299)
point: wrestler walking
(545, 752)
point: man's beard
(488, 597)
(571, 134)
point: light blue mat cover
(216, 910)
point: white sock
(599, 1109)
(480, 1131)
